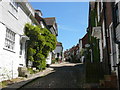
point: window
(14, 3)
(14, 8)
(98, 11)
(21, 45)
(10, 39)
(42, 25)
(57, 55)
(116, 14)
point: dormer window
(39, 12)
(13, 10)
(14, 3)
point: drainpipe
(109, 64)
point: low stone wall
(23, 72)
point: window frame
(9, 43)
(116, 15)
(14, 4)
(13, 8)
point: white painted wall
(2, 37)
(49, 58)
(59, 50)
(10, 60)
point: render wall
(11, 60)
(49, 58)
(59, 50)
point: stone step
(110, 81)
(102, 83)
(110, 77)
(110, 84)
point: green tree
(40, 44)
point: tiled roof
(50, 21)
(59, 44)
(38, 11)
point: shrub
(40, 44)
(31, 71)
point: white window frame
(10, 40)
(14, 8)
(14, 3)
(98, 11)
(101, 5)
(103, 29)
(42, 25)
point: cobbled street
(65, 75)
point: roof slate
(50, 21)
(59, 44)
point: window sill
(9, 50)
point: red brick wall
(85, 40)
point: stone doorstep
(20, 83)
(110, 84)
(110, 77)
(91, 85)
(109, 81)
(102, 83)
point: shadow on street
(62, 77)
(65, 76)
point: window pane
(10, 39)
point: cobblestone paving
(64, 76)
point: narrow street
(78, 39)
(65, 75)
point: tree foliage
(40, 44)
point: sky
(71, 18)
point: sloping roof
(59, 44)
(92, 5)
(39, 11)
(50, 21)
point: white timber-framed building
(13, 17)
